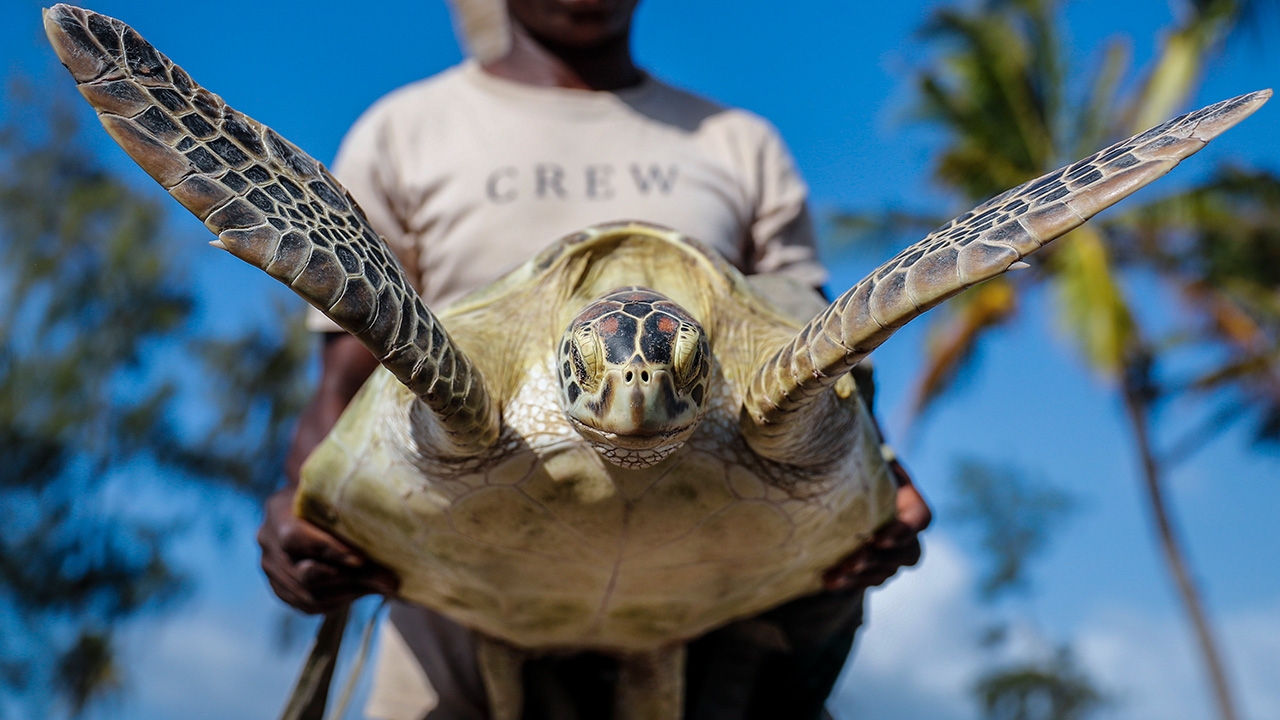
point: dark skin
(580, 45)
(584, 45)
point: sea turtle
(617, 446)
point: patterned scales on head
(620, 444)
(634, 364)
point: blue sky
(832, 77)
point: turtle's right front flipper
(273, 206)
(979, 245)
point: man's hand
(307, 567)
(310, 569)
(894, 546)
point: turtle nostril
(629, 376)
(644, 376)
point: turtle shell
(539, 540)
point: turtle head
(633, 371)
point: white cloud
(918, 656)
(1155, 667)
(219, 659)
(214, 662)
(1253, 639)
(216, 655)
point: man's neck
(607, 66)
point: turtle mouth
(632, 440)
(634, 451)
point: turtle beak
(641, 403)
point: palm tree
(999, 89)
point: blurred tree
(1015, 518)
(97, 340)
(998, 88)
(1052, 690)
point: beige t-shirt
(467, 175)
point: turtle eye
(686, 355)
(588, 357)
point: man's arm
(307, 567)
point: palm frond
(1093, 306)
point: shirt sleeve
(782, 233)
(365, 167)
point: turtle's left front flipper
(976, 246)
(275, 207)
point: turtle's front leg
(277, 208)
(979, 245)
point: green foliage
(87, 671)
(1218, 246)
(998, 88)
(98, 352)
(1053, 690)
(1094, 307)
(1015, 519)
(1232, 227)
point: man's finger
(319, 577)
(912, 510)
(382, 580)
(311, 592)
(302, 540)
(299, 538)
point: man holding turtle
(551, 128)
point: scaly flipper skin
(277, 208)
(974, 247)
